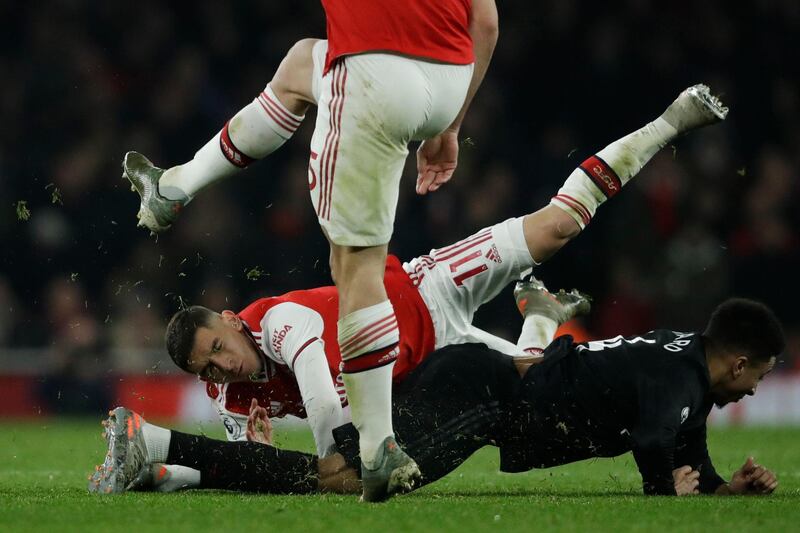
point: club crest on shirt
(684, 414)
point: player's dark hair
(747, 326)
(181, 332)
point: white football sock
(180, 477)
(369, 394)
(368, 343)
(253, 133)
(602, 176)
(537, 333)
(157, 440)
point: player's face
(223, 352)
(743, 380)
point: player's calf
(253, 133)
(544, 312)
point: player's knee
(334, 269)
(547, 230)
(299, 55)
(292, 80)
(565, 228)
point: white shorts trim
(456, 280)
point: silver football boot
(156, 213)
(533, 298)
(397, 473)
(694, 108)
(127, 453)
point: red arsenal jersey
(282, 338)
(437, 30)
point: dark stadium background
(85, 295)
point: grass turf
(43, 469)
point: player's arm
(691, 451)
(751, 478)
(320, 399)
(654, 437)
(484, 29)
(437, 157)
(654, 457)
(302, 350)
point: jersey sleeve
(691, 449)
(654, 437)
(288, 328)
(320, 399)
(293, 333)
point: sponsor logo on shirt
(277, 338)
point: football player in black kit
(649, 394)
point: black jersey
(647, 394)
(599, 399)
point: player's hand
(436, 161)
(753, 478)
(259, 426)
(687, 480)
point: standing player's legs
(370, 107)
(254, 132)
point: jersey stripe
(279, 108)
(376, 336)
(303, 347)
(462, 241)
(269, 110)
(575, 205)
(464, 248)
(367, 330)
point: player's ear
(739, 364)
(232, 319)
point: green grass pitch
(43, 469)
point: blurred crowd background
(84, 294)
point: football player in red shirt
(389, 73)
